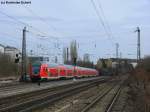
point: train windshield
(36, 69)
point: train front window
(36, 69)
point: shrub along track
(35, 99)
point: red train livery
(55, 71)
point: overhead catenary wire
(12, 22)
(43, 36)
(10, 35)
(17, 21)
(25, 24)
(104, 17)
(40, 18)
(102, 22)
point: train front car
(35, 70)
(44, 71)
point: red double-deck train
(55, 71)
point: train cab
(35, 70)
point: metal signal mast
(23, 64)
(138, 45)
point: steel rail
(20, 85)
(99, 97)
(32, 100)
(110, 106)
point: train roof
(67, 66)
(84, 68)
(52, 64)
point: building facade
(2, 48)
(11, 51)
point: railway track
(84, 101)
(3, 86)
(101, 105)
(91, 105)
(114, 99)
(100, 98)
(22, 87)
(28, 101)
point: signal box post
(74, 71)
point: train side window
(45, 69)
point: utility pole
(138, 45)
(120, 55)
(23, 64)
(120, 62)
(56, 59)
(67, 54)
(117, 50)
(117, 58)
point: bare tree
(73, 50)
(64, 55)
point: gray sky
(77, 20)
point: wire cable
(102, 22)
(23, 23)
(107, 24)
(40, 18)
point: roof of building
(10, 47)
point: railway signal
(75, 61)
(117, 58)
(23, 64)
(17, 58)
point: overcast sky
(77, 20)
